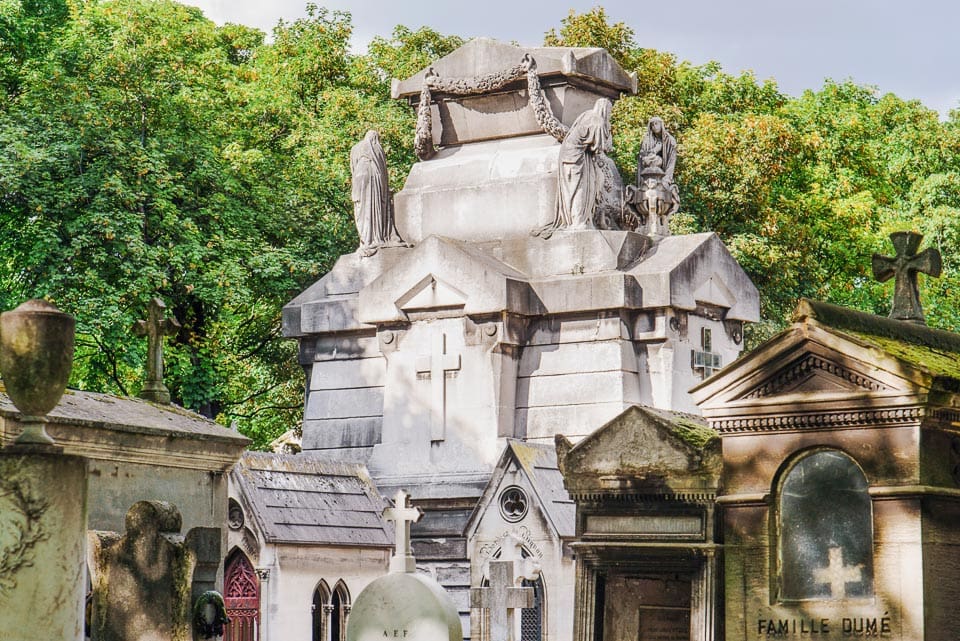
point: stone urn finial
(36, 355)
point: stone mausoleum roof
(298, 499)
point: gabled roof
(831, 351)
(643, 451)
(538, 462)
(830, 355)
(302, 500)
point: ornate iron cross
(402, 515)
(155, 328)
(904, 266)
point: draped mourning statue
(584, 176)
(655, 197)
(372, 200)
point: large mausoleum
(514, 290)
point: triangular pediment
(441, 274)
(643, 450)
(431, 293)
(816, 373)
(713, 291)
(811, 367)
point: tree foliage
(148, 152)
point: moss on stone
(935, 361)
(692, 433)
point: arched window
(340, 600)
(321, 602)
(825, 529)
(241, 596)
(532, 620)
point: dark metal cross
(155, 328)
(904, 266)
(501, 599)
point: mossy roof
(934, 351)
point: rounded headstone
(406, 606)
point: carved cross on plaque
(437, 364)
(837, 575)
(904, 266)
(402, 515)
(155, 328)
(501, 599)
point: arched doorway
(242, 599)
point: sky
(911, 49)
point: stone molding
(807, 365)
(819, 421)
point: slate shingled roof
(539, 461)
(299, 499)
(934, 351)
(127, 414)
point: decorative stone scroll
(423, 143)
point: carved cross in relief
(501, 599)
(437, 364)
(402, 515)
(904, 266)
(155, 328)
(837, 575)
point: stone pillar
(585, 602)
(327, 611)
(703, 600)
(265, 603)
(43, 525)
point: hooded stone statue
(580, 177)
(658, 147)
(370, 191)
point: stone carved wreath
(423, 142)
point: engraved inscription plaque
(664, 623)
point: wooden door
(242, 599)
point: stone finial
(402, 515)
(36, 356)
(155, 328)
(904, 267)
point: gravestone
(403, 604)
(503, 596)
(142, 578)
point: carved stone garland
(423, 143)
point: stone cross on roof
(402, 515)
(501, 599)
(904, 266)
(155, 328)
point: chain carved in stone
(423, 143)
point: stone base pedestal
(43, 523)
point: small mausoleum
(841, 467)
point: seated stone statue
(655, 193)
(372, 200)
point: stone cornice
(814, 421)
